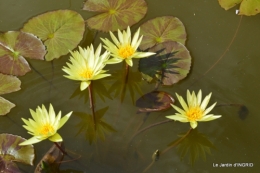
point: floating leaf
(51, 160)
(60, 30)
(227, 4)
(162, 29)
(247, 7)
(14, 46)
(170, 64)
(115, 14)
(154, 101)
(5, 106)
(10, 151)
(94, 130)
(7, 84)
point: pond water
(225, 61)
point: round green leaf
(154, 101)
(162, 29)
(227, 4)
(5, 106)
(115, 15)
(170, 64)
(14, 46)
(9, 84)
(11, 151)
(249, 7)
(60, 30)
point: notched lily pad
(247, 7)
(162, 29)
(8, 84)
(170, 64)
(10, 151)
(14, 46)
(6, 106)
(60, 30)
(154, 101)
(115, 15)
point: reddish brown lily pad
(14, 46)
(154, 101)
(60, 30)
(10, 151)
(115, 15)
(6, 106)
(8, 84)
(162, 29)
(170, 64)
(51, 160)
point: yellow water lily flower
(124, 48)
(44, 125)
(86, 65)
(195, 110)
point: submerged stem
(91, 104)
(126, 72)
(148, 127)
(125, 82)
(61, 149)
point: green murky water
(234, 138)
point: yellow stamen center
(88, 73)
(112, 11)
(126, 51)
(194, 113)
(47, 129)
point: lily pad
(8, 84)
(14, 46)
(10, 151)
(60, 30)
(115, 15)
(154, 101)
(6, 106)
(170, 64)
(247, 7)
(227, 4)
(51, 160)
(162, 29)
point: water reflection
(99, 89)
(192, 144)
(94, 129)
(195, 145)
(123, 82)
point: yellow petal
(55, 138)
(84, 85)
(32, 140)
